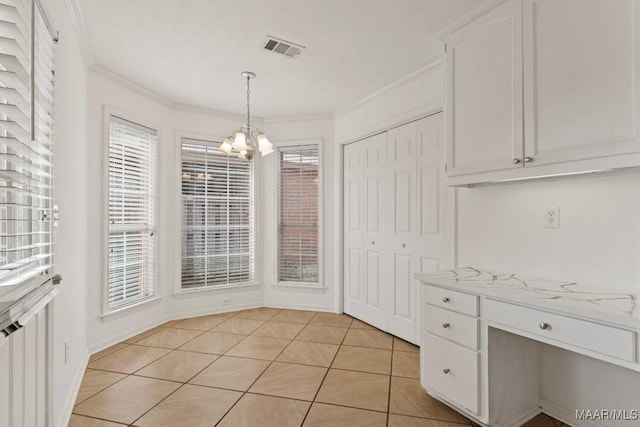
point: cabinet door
(581, 89)
(353, 230)
(402, 237)
(376, 236)
(483, 99)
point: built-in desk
(479, 351)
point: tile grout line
(185, 383)
(244, 393)
(327, 372)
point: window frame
(276, 248)
(107, 113)
(178, 291)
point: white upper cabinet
(543, 87)
(484, 92)
(580, 85)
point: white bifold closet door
(396, 223)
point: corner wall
(134, 104)
(68, 311)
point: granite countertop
(609, 305)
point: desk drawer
(450, 325)
(451, 300)
(596, 337)
(452, 371)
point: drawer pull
(544, 325)
(446, 370)
(445, 299)
(446, 325)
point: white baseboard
(526, 417)
(308, 307)
(566, 415)
(173, 316)
(73, 392)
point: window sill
(300, 286)
(213, 290)
(123, 311)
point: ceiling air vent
(283, 47)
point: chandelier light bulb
(226, 147)
(240, 141)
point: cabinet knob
(544, 325)
(404, 245)
(516, 161)
(373, 242)
(446, 370)
(445, 299)
(445, 325)
(528, 159)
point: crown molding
(438, 62)
(456, 22)
(302, 118)
(79, 28)
(165, 101)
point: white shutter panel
(26, 145)
(132, 213)
(217, 217)
(298, 214)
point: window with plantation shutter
(132, 213)
(26, 146)
(298, 213)
(217, 217)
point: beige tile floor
(261, 367)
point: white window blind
(26, 145)
(217, 217)
(298, 215)
(132, 213)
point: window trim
(107, 112)
(178, 291)
(289, 285)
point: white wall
(136, 105)
(69, 311)
(277, 296)
(415, 96)
(501, 227)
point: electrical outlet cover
(552, 217)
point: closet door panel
(353, 229)
(376, 226)
(402, 198)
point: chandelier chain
(248, 105)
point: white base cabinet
(396, 223)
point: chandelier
(245, 141)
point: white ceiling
(192, 51)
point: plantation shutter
(26, 145)
(132, 213)
(217, 217)
(298, 214)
